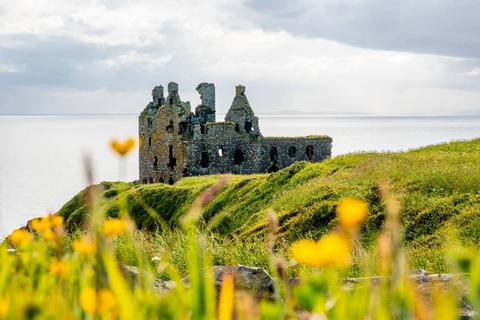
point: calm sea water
(41, 156)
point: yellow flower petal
(114, 227)
(88, 300)
(19, 237)
(84, 246)
(225, 301)
(352, 213)
(106, 301)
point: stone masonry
(176, 142)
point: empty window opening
(182, 127)
(309, 152)
(273, 154)
(161, 180)
(204, 159)
(220, 153)
(149, 122)
(151, 180)
(248, 126)
(170, 127)
(273, 168)
(170, 181)
(145, 181)
(202, 129)
(292, 151)
(237, 127)
(149, 141)
(155, 162)
(238, 157)
(172, 162)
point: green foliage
(439, 186)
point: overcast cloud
(360, 56)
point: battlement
(179, 142)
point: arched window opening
(273, 154)
(220, 152)
(170, 181)
(204, 159)
(237, 127)
(172, 161)
(149, 122)
(182, 127)
(238, 157)
(273, 168)
(155, 162)
(145, 181)
(149, 141)
(169, 128)
(309, 152)
(151, 180)
(292, 151)
(248, 126)
(161, 180)
(202, 129)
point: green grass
(439, 187)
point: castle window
(149, 141)
(273, 154)
(149, 122)
(237, 127)
(155, 163)
(220, 153)
(151, 180)
(161, 180)
(182, 127)
(172, 162)
(169, 128)
(145, 181)
(248, 126)
(204, 159)
(292, 151)
(202, 129)
(309, 152)
(170, 181)
(238, 157)
(273, 168)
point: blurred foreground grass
(425, 215)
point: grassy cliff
(439, 187)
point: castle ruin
(177, 142)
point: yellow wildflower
(4, 306)
(60, 268)
(84, 246)
(57, 221)
(49, 235)
(88, 300)
(19, 237)
(40, 225)
(305, 251)
(122, 148)
(114, 227)
(332, 250)
(225, 302)
(106, 300)
(351, 213)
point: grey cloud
(445, 27)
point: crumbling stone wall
(177, 142)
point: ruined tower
(177, 142)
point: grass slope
(439, 187)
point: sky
(379, 57)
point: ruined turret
(205, 112)
(242, 114)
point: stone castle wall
(177, 142)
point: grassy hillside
(439, 187)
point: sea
(42, 166)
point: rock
(132, 273)
(251, 279)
